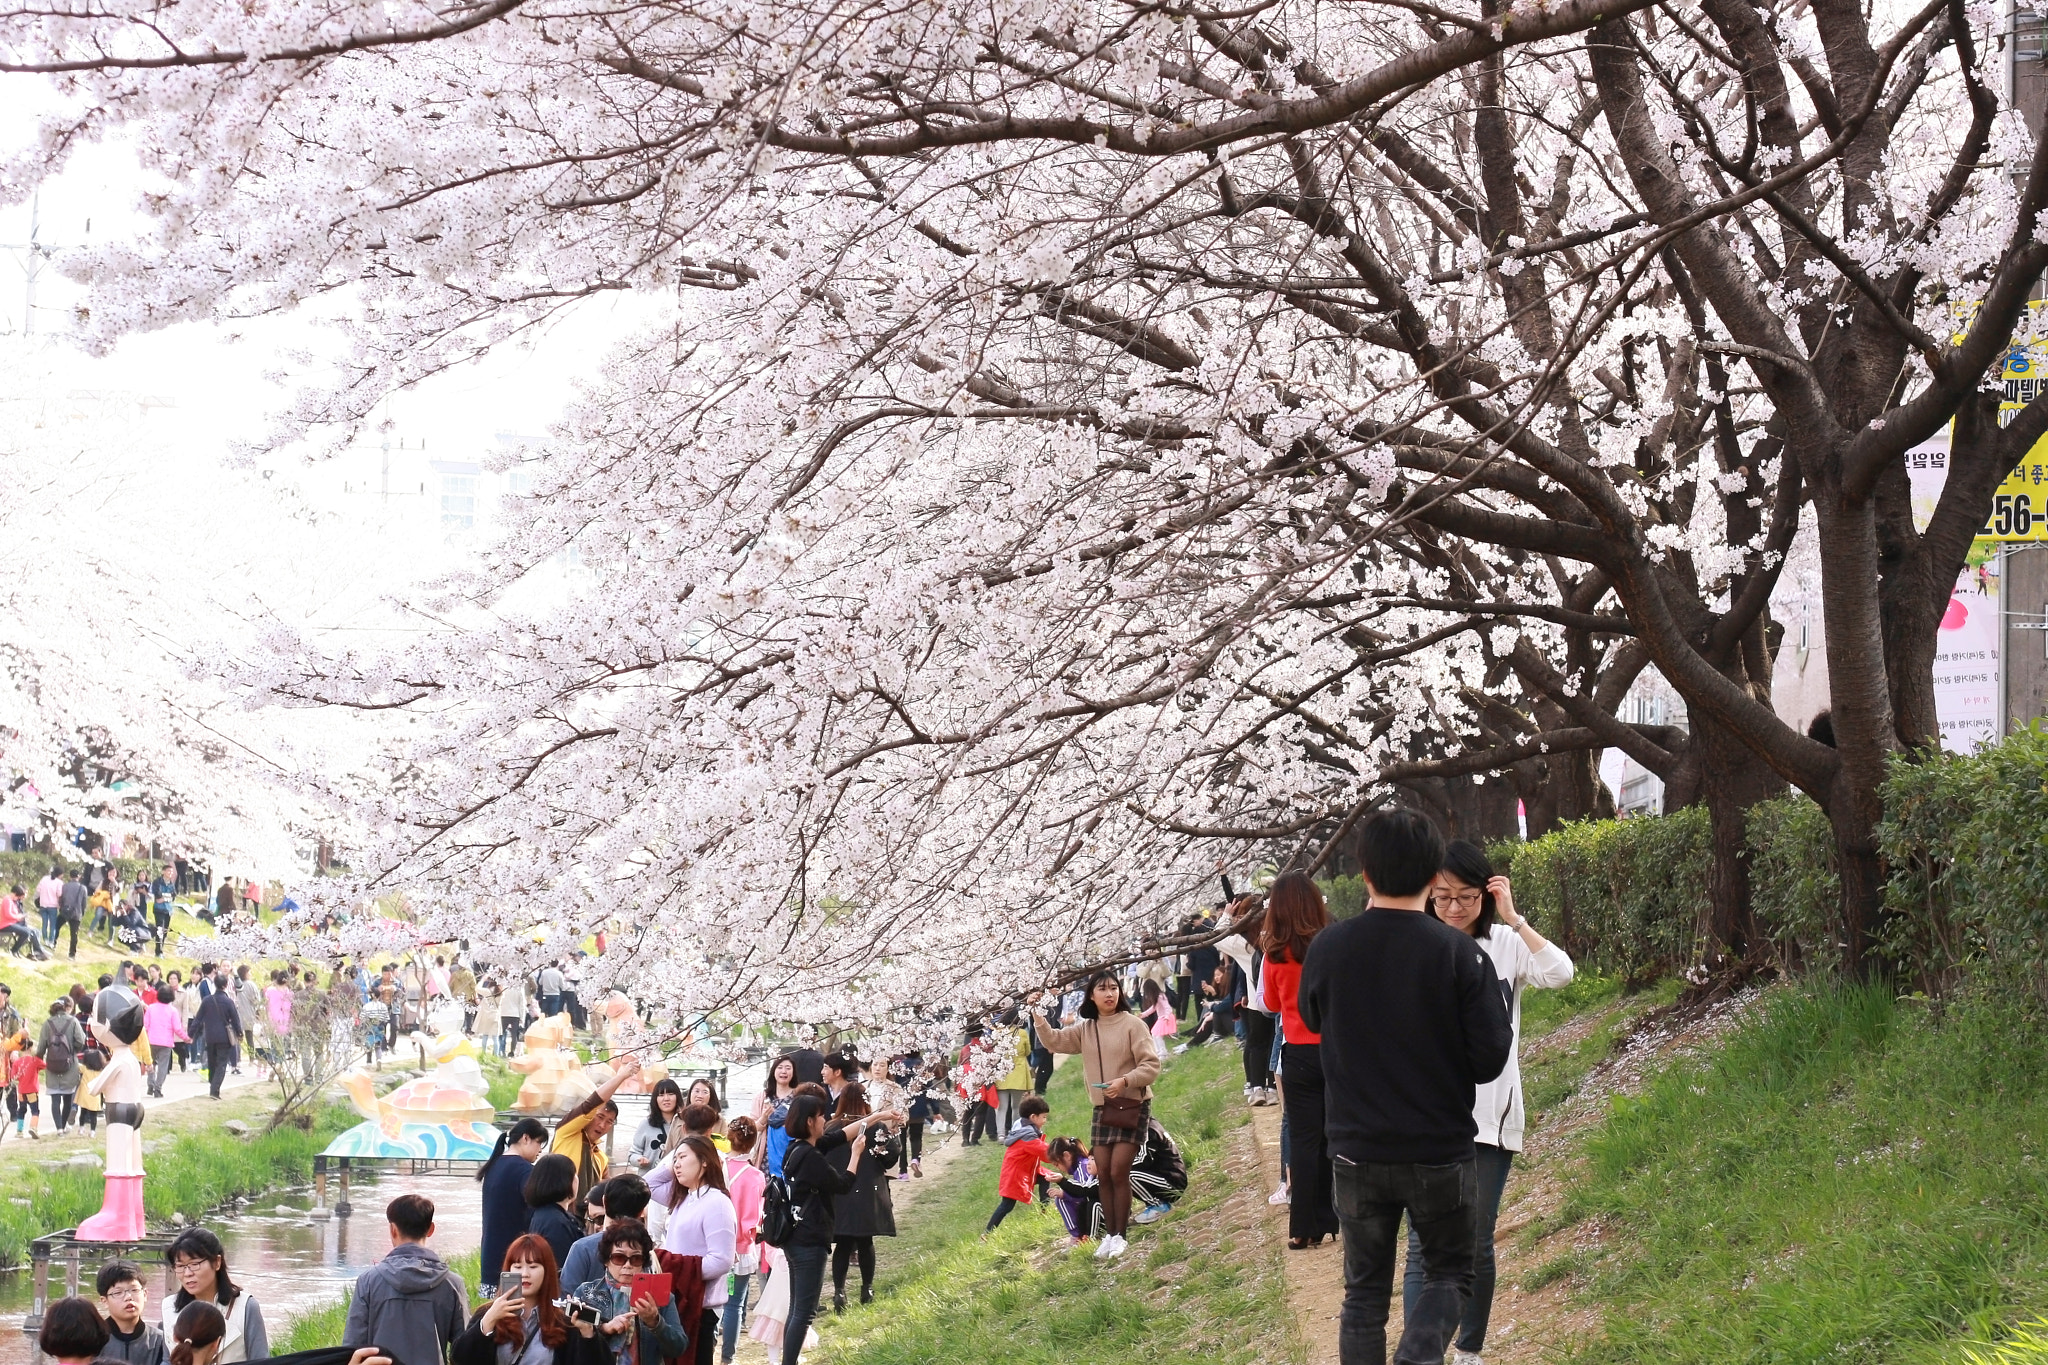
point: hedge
(1965, 844)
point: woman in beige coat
(1119, 1059)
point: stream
(288, 1261)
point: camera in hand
(576, 1310)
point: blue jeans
(1441, 1201)
(734, 1316)
(1493, 1180)
(49, 923)
(806, 1282)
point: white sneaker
(1279, 1196)
(1102, 1247)
(1117, 1246)
(1459, 1357)
(1180, 1048)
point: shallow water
(288, 1261)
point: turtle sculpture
(426, 1101)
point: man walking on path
(410, 1303)
(70, 909)
(1412, 1019)
(219, 1027)
(551, 984)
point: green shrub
(1625, 897)
(1794, 889)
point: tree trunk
(1732, 779)
(1865, 725)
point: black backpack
(58, 1055)
(779, 1212)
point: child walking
(1026, 1142)
(25, 1089)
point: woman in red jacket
(1295, 914)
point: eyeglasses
(595, 1220)
(624, 1258)
(1469, 899)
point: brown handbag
(1123, 1112)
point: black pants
(806, 1282)
(704, 1338)
(912, 1150)
(1258, 1048)
(981, 1120)
(63, 1108)
(1003, 1207)
(1310, 1213)
(62, 925)
(1493, 1164)
(218, 1055)
(1441, 1202)
(89, 1119)
(1041, 1069)
(844, 1251)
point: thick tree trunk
(1732, 779)
(1865, 725)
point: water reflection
(288, 1261)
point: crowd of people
(1388, 1039)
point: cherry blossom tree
(1085, 435)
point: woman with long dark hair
(1120, 1061)
(771, 1112)
(506, 1214)
(813, 1181)
(702, 1222)
(521, 1326)
(1471, 899)
(659, 1130)
(1295, 914)
(201, 1265)
(866, 1211)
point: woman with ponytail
(197, 1335)
(201, 1265)
(522, 1326)
(504, 1192)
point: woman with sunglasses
(636, 1332)
(1471, 899)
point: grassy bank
(324, 1326)
(195, 1165)
(1191, 1287)
(1848, 1178)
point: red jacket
(1020, 1169)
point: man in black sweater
(1412, 1018)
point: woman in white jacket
(1469, 897)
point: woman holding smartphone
(522, 1326)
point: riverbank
(1201, 1284)
(194, 1164)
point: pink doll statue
(120, 1086)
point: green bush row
(26, 869)
(1965, 844)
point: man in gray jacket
(410, 1303)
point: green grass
(1184, 1291)
(324, 1326)
(1849, 1178)
(190, 1173)
(505, 1082)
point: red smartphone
(654, 1289)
